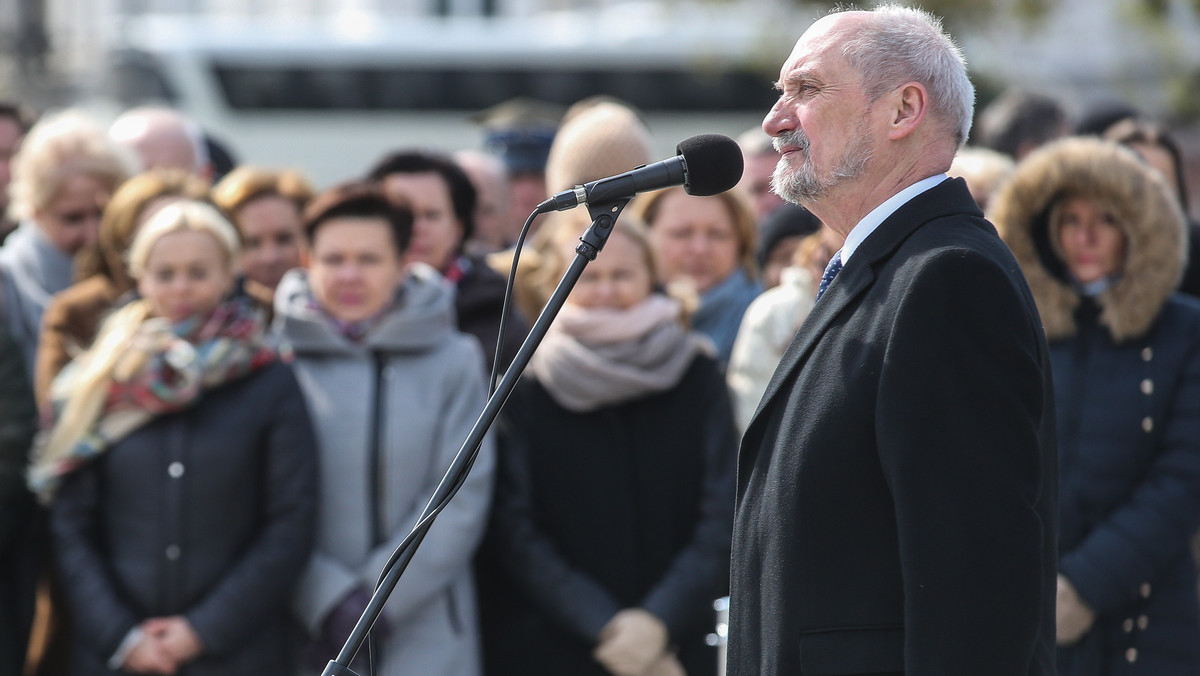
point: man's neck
(849, 203)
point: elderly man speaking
(897, 485)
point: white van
(331, 96)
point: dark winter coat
(626, 506)
(896, 487)
(18, 553)
(207, 513)
(478, 303)
(1127, 384)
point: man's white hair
(136, 122)
(903, 44)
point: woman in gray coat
(394, 389)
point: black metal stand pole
(603, 218)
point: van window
(330, 99)
(410, 88)
(135, 77)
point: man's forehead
(819, 41)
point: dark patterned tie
(831, 270)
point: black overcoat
(896, 487)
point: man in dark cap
(1018, 122)
(520, 132)
(778, 236)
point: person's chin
(273, 281)
(349, 316)
(702, 283)
(180, 314)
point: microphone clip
(604, 217)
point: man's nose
(778, 120)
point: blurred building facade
(1083, 51)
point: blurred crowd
(226, 395)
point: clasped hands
(634, 643)
(166, 644)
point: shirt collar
(880, 213)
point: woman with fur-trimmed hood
(1102, 244)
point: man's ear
(910, 103)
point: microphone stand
(604, 216)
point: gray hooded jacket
(391, 413)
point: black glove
(337, 627)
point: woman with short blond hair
(181, 471)
(73, 316)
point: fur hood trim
(1154, 228)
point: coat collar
(950, 197)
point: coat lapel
(948, 197)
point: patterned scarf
(165, 368)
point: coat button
(1147, 424)
(1127, 625)
(1147, 353)
(173, 552)
(175, 470)
(1131, 655)
(1147, 387)
(1143, 622)
(1144, 590)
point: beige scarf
(592, 358)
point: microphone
(705, 165)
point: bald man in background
(164, 139)
(759, 158)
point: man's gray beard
(802, 185)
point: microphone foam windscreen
(714, 163)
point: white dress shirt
(880, 213)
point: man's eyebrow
(796, 78)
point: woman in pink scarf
(611, 527)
